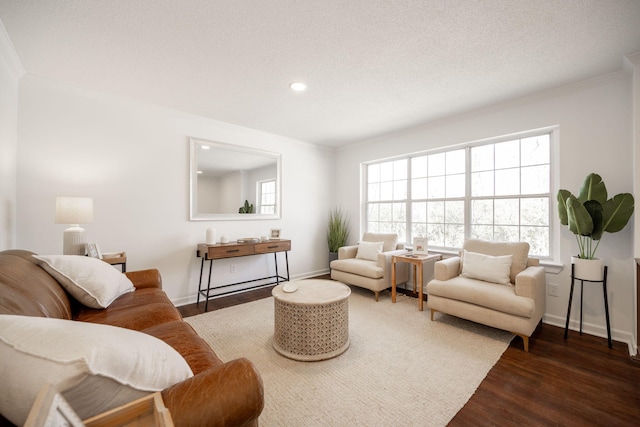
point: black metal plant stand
(606, 303)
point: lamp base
(74, 242)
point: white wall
(8, 141)
(133, 159)
(594, 120)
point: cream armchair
(367, 270)
(515, 305)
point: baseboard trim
(593, 329)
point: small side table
(606, 302)
(417, 261)
(119, 258)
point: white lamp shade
(74, 210)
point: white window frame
(554, 170)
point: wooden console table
(235, 249)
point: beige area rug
(401, 369)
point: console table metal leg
(275, 259)
(200, 282)
(206, 304)
(606, 307)
(286, 258)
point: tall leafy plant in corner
(338, 231)
(590, 214)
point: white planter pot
(588, 269)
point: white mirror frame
(194, 143)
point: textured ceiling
(371, 66)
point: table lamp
(74, 211)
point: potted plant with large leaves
(588, 217)
(338, 232)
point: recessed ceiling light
(297, 86)
(205, 147)
(199, 172)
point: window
(492, 190)
(387, 190)
(267, 196)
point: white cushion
(369, 250)
(91, 281)
(519, 250)
(494, 269)
(95, 367)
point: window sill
(552, 267)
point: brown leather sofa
(219, 394)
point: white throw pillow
(95, 367)
(91, 281)
(369, 250)
(493, 269)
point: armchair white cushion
(369, 250)
(517, 306)
(372, 274)
(486, 267)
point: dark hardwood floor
(578, 382)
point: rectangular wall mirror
(226, 179)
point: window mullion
(407, 204)
(467, 192)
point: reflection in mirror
(230, 182)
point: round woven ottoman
(311, 319)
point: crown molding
(9, 54)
